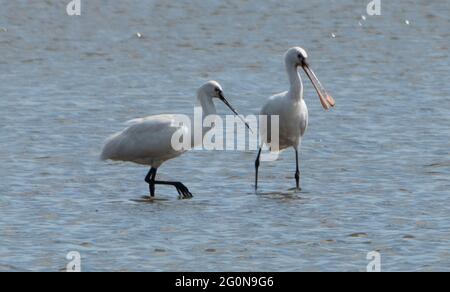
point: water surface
(375, 171)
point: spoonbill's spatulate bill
(148, 141)
(291, 108)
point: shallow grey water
(375, 171)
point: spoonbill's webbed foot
(183, 191)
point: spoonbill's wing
(145, 140)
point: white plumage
(148, 141)
(291, 108)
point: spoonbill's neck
(296, 89)
(208, 109)
(207, 104)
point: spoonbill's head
(213, 89)
(298, 57)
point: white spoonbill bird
(291, 108)
(148, 141)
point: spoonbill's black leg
(297, 172)
(257, 162)
(182, 190)
(150, 179)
